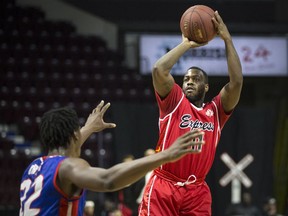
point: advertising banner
(259, 56)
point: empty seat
(6, 145)
(28, 127)
(6, 112)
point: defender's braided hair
(57, 127)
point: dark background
(242, 16)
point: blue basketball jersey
(39, 193)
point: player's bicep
(163, 83)
(230, 96)
(80, 173)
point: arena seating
(46, 64)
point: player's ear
(206, 87)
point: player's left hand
(220, 26)
(95, 120)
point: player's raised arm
(162, 79)
(230, 93)
(95, 121)
(78, 172)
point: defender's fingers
(99, 106)
(192, 134)
(195, 150)
(103, 110)
(110, 125)
(192, 143)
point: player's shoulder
(71, 163)
(69, 167)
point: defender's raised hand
(95, 120)
(190, 142)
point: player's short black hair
(200, 69)
(57, 127)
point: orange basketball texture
(196, 24)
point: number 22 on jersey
(31, 191)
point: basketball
(196, 24)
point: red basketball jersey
(177, 116)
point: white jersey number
(26, 201)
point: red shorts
(163, 197)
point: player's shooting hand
(95, 120)
(220, 26)
(190, 142)
(193, 44)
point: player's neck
(70, 152)
(198, 104)
(59, 151)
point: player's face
(194, 86)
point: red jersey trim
(67, 208)
(75, 207)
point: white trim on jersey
(162, 119)
(197, 108)
(218, 123)
(69, 209)
(168, 124)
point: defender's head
(58, 127)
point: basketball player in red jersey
(179, 188)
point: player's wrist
(164, 157)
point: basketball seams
(187, 13)
(210, 13)
(203, 27)
(191, 30)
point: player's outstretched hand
(190, 142)
(95, 120)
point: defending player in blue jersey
(55, 184)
